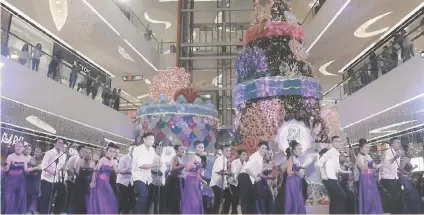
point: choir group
(136, 183)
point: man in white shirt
(248, 175)
(51, 165)
(143, 162)
(236, 166)
(123, 180)
(218, 180)
(389, 175)
(330, 164)
(71, 168)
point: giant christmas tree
(276, 96)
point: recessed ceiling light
(147, 81)
(323, 69)
(37, 122)
(207, 96)
(59, 11)
(1, 65)
(361, 32)
(58, 2)
(385, 128)
(147, 17)
(125, 54)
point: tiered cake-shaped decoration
(275, 84)
(175, 113)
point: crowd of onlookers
(399, 50)
(89, 83)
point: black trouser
(126, 198)
(228, 200)
(60, 198)
(47, 195)
(337, 196)
(235, 199)
(247, 194)
(217, 192)
(392, 186)
(69, 189)
(157, 196)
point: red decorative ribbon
(270, 29)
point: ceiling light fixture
(125, 54)
(8, 4)
(37, 122)
(328, 25)
(383, 36)
(147, 17)
(323, 69)
(361, 32)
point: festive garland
(276, 86)
(271, 29)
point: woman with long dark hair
(192, 196)
(102, 198)
(34, 180)
(412, 201)
(294, 200)
(369, 196)
(175, 182)
(84, 171)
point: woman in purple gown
(412, 201)
(102, 199)
(34, 180)
(294, 202)
(369, 196)
(15, 186)
(192, 196)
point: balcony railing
(53, 66)
(394, 50)
(143, 27)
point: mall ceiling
(95, 39)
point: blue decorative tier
(276, 86)
(180, 107)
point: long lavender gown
(33, 188)
(369, 197)
(102, 199)
(15, 189)
(192, 196)
(412, 201)
(294, 202)
(3, 180)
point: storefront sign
(294, 130)
(10, 138)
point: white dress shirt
(72, 165)
(142, 156)
(389, 171)
(236, 167)
(49, 158)
(217, 179)
(124, 165)
(254, 165)
(330, 162)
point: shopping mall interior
(219, 73)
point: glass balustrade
(393, 51)
(54, 67)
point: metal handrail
(88, 77)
